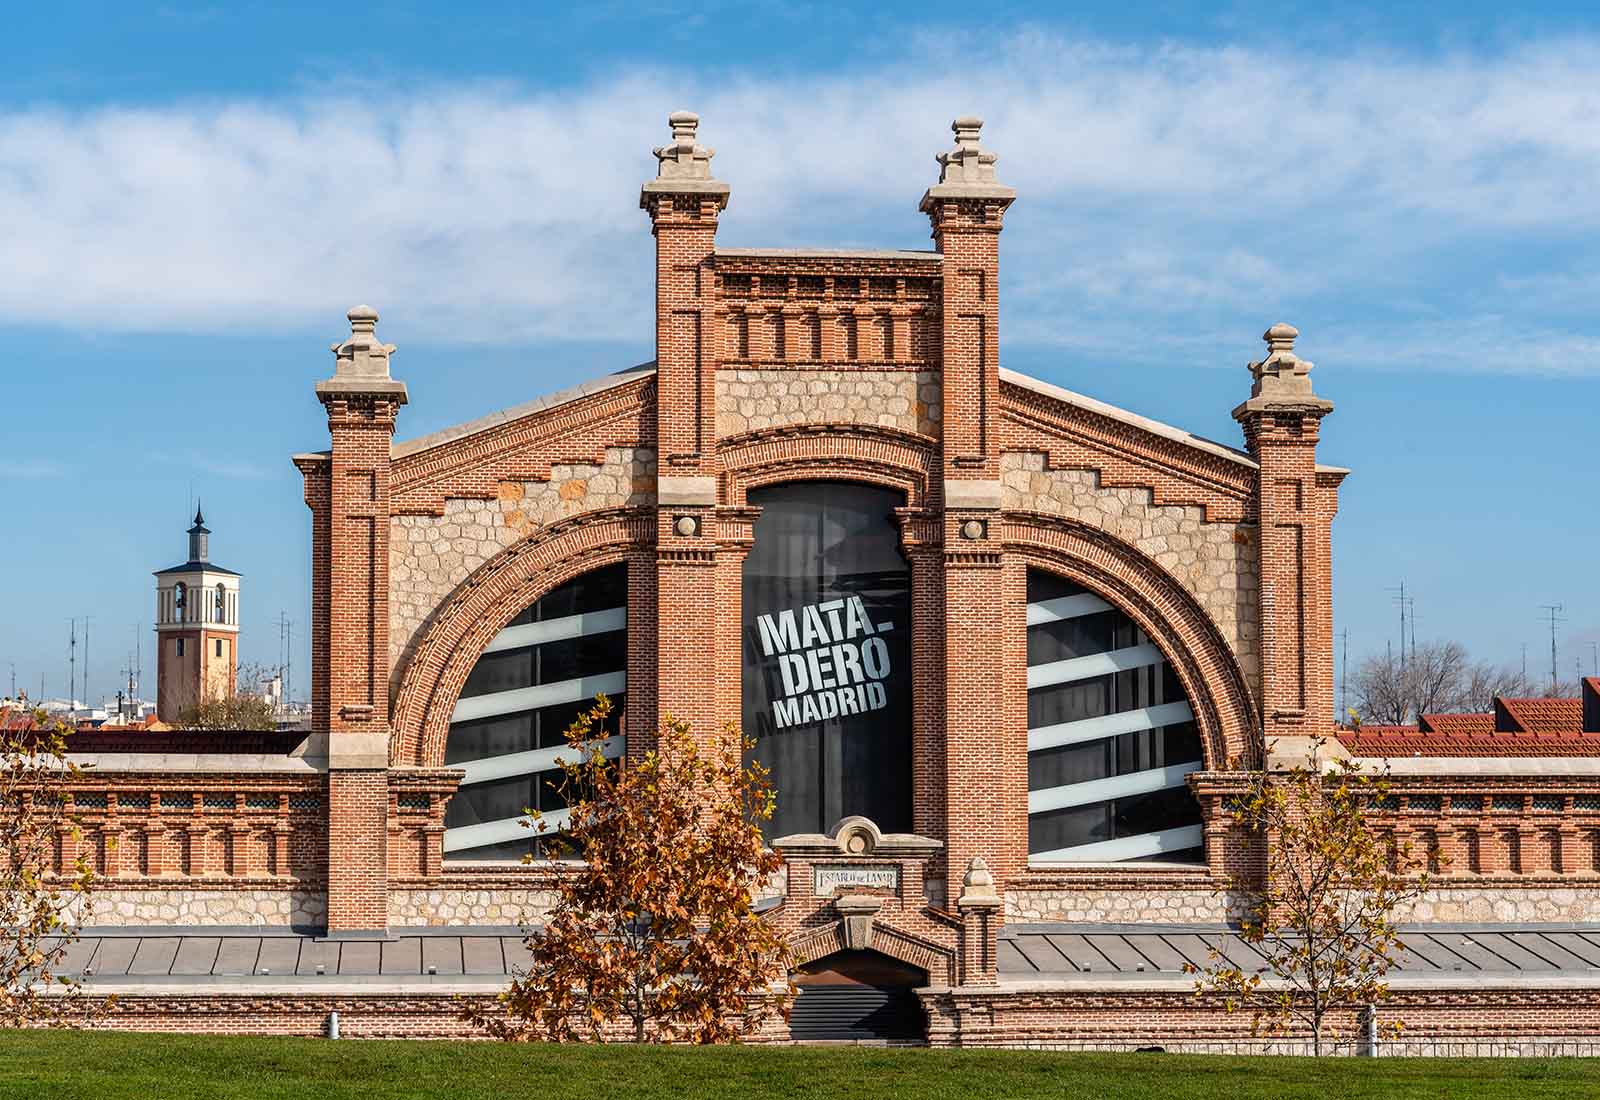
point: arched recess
(1164, 610)
(936, 960)
(888, 458)
(494, 594)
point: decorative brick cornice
(1127, 456)
(494, 594)
(1153, 598)
(578, 431)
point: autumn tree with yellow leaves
(654, 934)
(1322, 917)
(40, 904)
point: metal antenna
(1401, 600)
(72, 665)
(1344, 673)
(1553, 610)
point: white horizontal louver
(1092, 666)
(540, 695)
(505, 831)
(496, 787)
(1142, 846)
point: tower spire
(199, 537)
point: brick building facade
(1008, 649)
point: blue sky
(191, 197)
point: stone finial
(363, 356)
(977, 887)
(967, 171)
(968, 162)
(684, 165)
(685, 158)
(361, 362)
(1281, 376)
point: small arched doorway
(858, 996)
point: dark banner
(827, 654)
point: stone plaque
(829, 879)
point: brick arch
(889, 457)
(481, 606)
(1164, 610)
(936, 959)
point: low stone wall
(229, 904)
(445, 906)
(1121, 905)
(1504, 903)
(1441, 1021)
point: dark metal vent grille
(858, 1012)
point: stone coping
(925, 254)
(1154, 427)
(516, 412)
(106, 763)
(1078, 984)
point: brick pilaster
(1281, 423)
(966, 210)
(362, 402)
(684, 203)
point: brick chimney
(1591, 704)
(1281, 422)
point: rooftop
(285, 960)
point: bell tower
(197, 628)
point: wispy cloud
(31, 468)
(1200, 190)
(210, 466)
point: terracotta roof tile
(1491, 744)
(1545, 715)
(1458, 725)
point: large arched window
(508, 727)
(1111, 736)
(827, 654)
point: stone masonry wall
(1505, 903)
(748, 400)
(431, 555)
(1215, 562)
(471, 906)
(1124, 905)
(226, 905)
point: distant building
(197, 628)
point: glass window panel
(545, 727)
(843, 746)
(1108, 757)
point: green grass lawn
(65, 1066)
